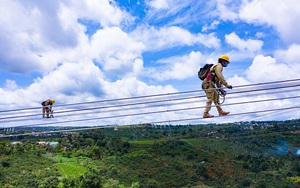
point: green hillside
(248, 154)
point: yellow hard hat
(225, 57)
(53, 101)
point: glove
(229, 86)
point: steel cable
(148, 102)
(148, 96)
(133, 108)
(153, 122)
(152, 112)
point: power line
(155, 101)
(125, 105)
(167, 102)
(153, 122)
(151, 112)
(149, 96)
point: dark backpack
(204, 70)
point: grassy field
(70, 167)
(201, 141)
(192, 141)
(145, 142)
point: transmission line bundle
(178, 107)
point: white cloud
(11, 85)
(114, 49)
(105, 12)
(249, 45)
(265, 68)
(260, 35)
(178, 12)
(282, 15)
(137, 66)
(71, 82)
(290, 56)
(213, 25)
(226, 9)
(132, 87)
(167, 37)
(237, 81)
(177, 67)
(77, 82)
(160, 4)
(40, 35)
(283, 66)
(27, 36)
(80, 80)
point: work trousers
(46, 110)
(211, 95)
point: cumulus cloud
(283, 66)
(27, 34)
(34, 34)
(68, 83)
(67, 56)
(263, 13)
(290, 56)
(11, 85)
(265, 68)
(77, 82)
(177, 67)
(131, 86)
(107, 13)
(114, 49)
(249, 45)
(237, 80)
(137, 66)
(279, 67)
(285, 12)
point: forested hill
(243, 154)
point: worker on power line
(213, 81)
(47, 107)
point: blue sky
(80, 51)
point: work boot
(223, 113)
(207, 115)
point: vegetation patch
(71, 169)
(201, 141)
(250, 154)
(144, 142)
